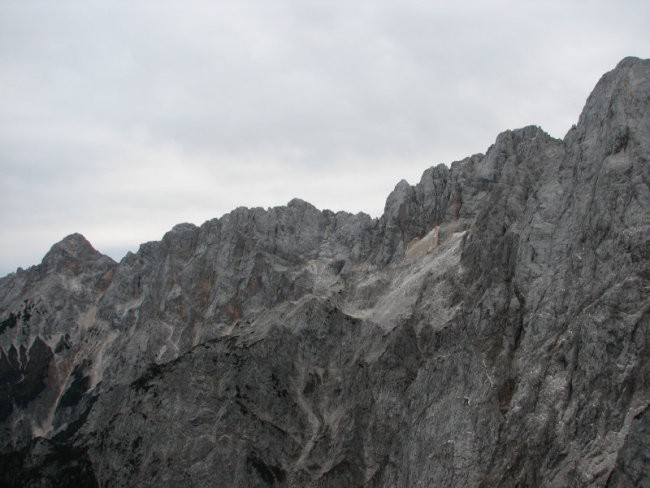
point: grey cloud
(180, 111)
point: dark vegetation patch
(34, 373)
(47, 464)
(63, 344)
(74, 426)
(313, 381)
(143, 383)
(23, 375)
(9, 323)
(277, 386)
(25, 314)
(77, 388)
(270, 473)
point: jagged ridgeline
(489, 330)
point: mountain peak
(74, 248)
(628, 61)
(620, 99)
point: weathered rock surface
(490, 329)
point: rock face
(490, 329)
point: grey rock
(489, 329)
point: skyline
(119, 121)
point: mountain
(490, 329)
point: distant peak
(403, 192)
(75, 244)
(72, 247)
(628, 62)
(619, 102)
(403, 185)
(299, 203)
(183, 227)
(628, 74)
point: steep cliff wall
(490, 329)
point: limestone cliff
(490, 329)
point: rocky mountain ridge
(490, 329)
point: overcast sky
(120, 119)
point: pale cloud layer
(120, 119)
